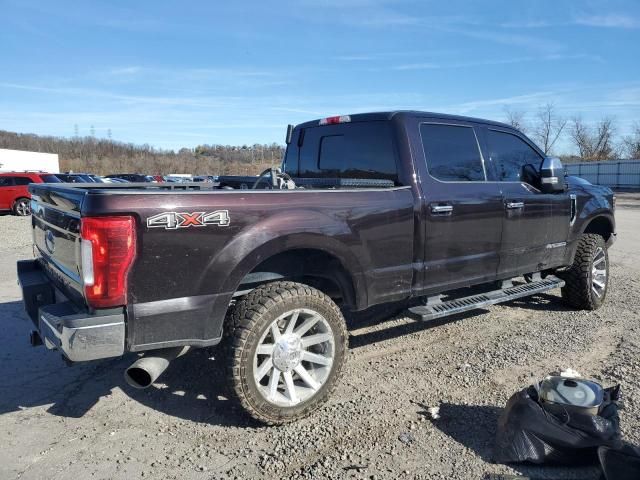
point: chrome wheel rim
(294, 357)
(23, 208)
(599, 272)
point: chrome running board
(436, 308)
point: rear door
(463, 211)
(536, 224)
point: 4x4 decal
(175, 220)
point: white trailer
(19, 161)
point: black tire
(22, 207)
(578, 291)
(249, 321)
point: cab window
(510, 156)
(452, 152)
(352, 150)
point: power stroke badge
(175, 220)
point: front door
(536, 224)
(463, 212)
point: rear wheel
(22, 207)
(288, 349)
(587, 279)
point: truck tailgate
(56, 236)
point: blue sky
(174, 74)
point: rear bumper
(77, 333)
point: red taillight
(335, 120)
(108, 248)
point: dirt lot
(85, 422)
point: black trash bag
(623, 464)
(529, 433)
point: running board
(437, 309)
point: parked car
(14, 191)
(114, 180)
(78, 178)
(205, 178)
(573, 180)
(132, 177)
(368, 209)
(178, 178)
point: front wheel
(288, 349)
(586, 280)
(22, 207)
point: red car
(14, 190)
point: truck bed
(187, 271)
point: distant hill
(103, 156)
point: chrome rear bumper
(77, 333)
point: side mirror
(552, 176)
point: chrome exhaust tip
(146, 370)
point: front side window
(510, 156)
(452, 153)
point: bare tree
(594, 143)
(631, 143)
(548, 127)
(515, 118)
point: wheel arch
(257, 251)
(316, 267)
(601, 225)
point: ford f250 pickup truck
(366, 209)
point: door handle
(441, 209)
(513, 205)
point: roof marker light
(335, 120)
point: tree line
(104, 156)
(592, 142)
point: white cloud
(124, 71)
(612, 20)
(504, 61)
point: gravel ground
(85, 422)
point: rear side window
(352, 150)
(50, 179)
(509, 154)
(6, 181)
(23, 181)
(452, 153)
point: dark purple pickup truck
(366, 209)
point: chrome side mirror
(552, 176)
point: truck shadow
(395, 326)
(389, 318)
(540, 302)
(474, 427)
(192, 388)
